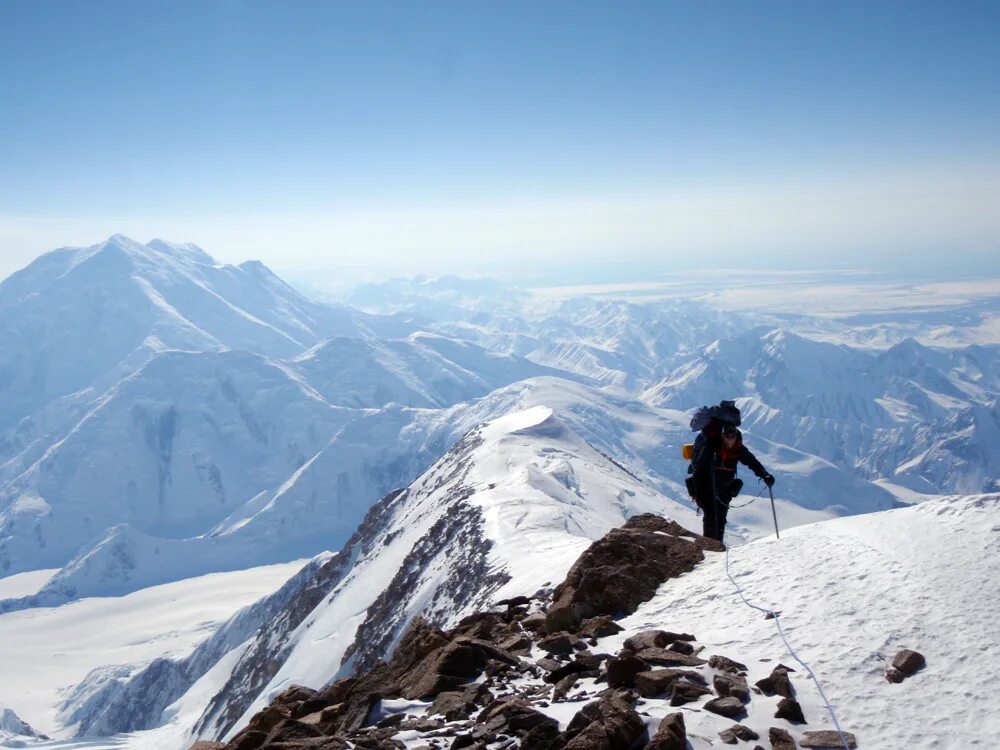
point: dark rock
(682, 647)
(894, 675)
(534, 623)
(267, 719)
(622, 670)
(738, 732)
(462, 740)
(777, 683)
(598, 627)
(516, 601)
(623, 569)
(666, 658)
(654, 639)
(513, 716)
(309, 706)
(590, 661)
(685, 692)
(293, 695)
(542, 737)
(207, 745)
(725, 664)
(908, 662)
(790, 710)
(780, 739)
(558, 643)
(517, 644)
(393, 720)
(671, 734)
(827, 738)
(477, 693)
(564, 670)
(731, 685)
(562, 688)
(609, 722)
(656, 681)
(729, 707)
(451, 705)
(291, 730)
(248, 739)
(549, 665)
(419, 640)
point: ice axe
(774, 513)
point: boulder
(738, 732)
(655, 639)
(666, 658)
(562, 688)
(610, 722)
(685, 692)
(512, 716)
(656, 681)
(777, 683)
(451, 705)
(623, 569)
(725, 664)
(790, 710)
(291, 730)
(908, 662)
(827, 738)
(598, 627)
(780, 739)
(731, 708)
(734, 685)
(558, 643)
(670, 735)
(894, 675)
(622, 670)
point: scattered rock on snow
(738, 732)
(780, 739)
(908, 662)
(827, 738)
(671, 734)
(725, 664)
(790, 710)
(729, 707)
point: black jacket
(713, 459)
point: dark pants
(714, 515)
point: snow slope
(52, 649)
(506, 511)
(851, 593)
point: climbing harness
(776, 616)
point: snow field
(48, 650)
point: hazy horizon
(567, 138)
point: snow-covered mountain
(79, 315)
(164, 417)
(504, 513)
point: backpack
(726, 412)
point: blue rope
(777, 621)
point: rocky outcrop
(465, 687)
(621, 571)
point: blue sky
(470, 136)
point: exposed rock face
(620, 571)
(462, 688)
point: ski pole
(774, 513)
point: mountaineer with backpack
(715, 455)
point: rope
(777, 621)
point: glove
(769, 480)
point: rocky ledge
(533, 674)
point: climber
(713, 478)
